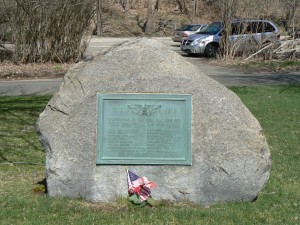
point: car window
(182, 28)
(252, 27)
(238, 28)
(193, 27)
(211, 29)
(262, 27)
(203, 27)
(267, 27)
(257, 27)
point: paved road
(225, 75)
(234, 76)
(29, 87)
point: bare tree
(151, 14)
(99, 17)
(228, 9)
(182, 6)
(50, 30)
(290, 7)
(194, 10)
(290, 23)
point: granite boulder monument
(143, 106)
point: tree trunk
(228, 11)
(149, 22)
(194, 12)
(149, 25)
(99, 18)
(125, 5)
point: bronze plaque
(144, 129)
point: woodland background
(59, 30)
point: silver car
(186, 30)
(207, 40)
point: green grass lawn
(276, 107)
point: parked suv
(186, 30)
(207, 40)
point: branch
(251, 56)
(18, 3)
(285, 43)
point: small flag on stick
(139, 185)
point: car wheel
(211, 50)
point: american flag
(144, 193)
(139, 185)
(133, 181)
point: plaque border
(101, 97)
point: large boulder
(230, 155)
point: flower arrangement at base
(139, 189)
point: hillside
(173, 13)
(121, 23)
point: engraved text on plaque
(144, 129)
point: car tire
(211, 50)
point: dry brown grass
(11, 71)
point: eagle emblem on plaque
(144, 110)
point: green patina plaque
(144, 129)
